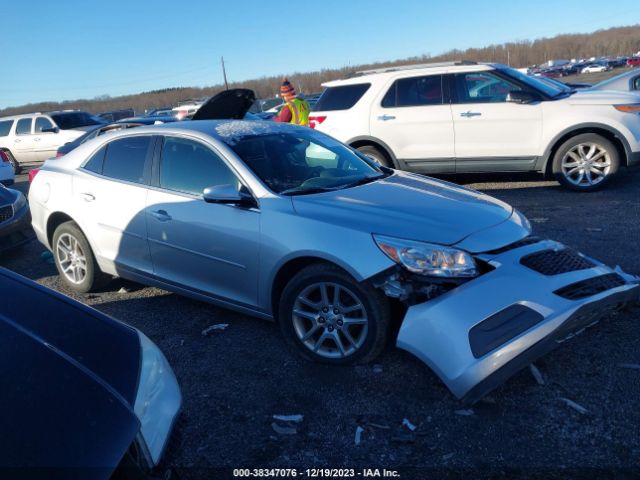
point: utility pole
(224, 73)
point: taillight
(32, 174)
(314, 121)
(4, 157)
(59, 154)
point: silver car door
(110, 193)
(209, 248)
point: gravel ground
(235, 380)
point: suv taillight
(59, 154)
(314, 121)
(4, 157)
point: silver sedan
(288, 224)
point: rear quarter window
(5, 127)
(341, 98)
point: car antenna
(224, 73)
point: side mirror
(519, 96)
(229, 195)
(50, 130)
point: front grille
(512, 246)
(6, 213)
(591, 286)
(555, 262)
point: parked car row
(259, 217)
(187, 206)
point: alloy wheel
(330, 320)
(586, 164)
(72, 259)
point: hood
(101, 346)
(408, 206)
(602, 97)
(59, 382)
(230, 104)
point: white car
(594, 69)
(7, 175)
(34, 137)
(461, 117)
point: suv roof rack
(413, 67)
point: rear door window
(42, 123)
(24, 126)
(129, 159)
(341, 98)
(190, 167)
(5, 127)
(414, 92)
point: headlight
(428, 259)
(158, 400)
(20, 202)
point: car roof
(224, 130)
(400, 70)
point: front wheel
(586, 162)
(330, 318)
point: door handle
(88, 197)
(17, 140)
(37, 139)
(469, 114)
(385, 117)
(161, 215)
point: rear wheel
(376, 155)
(586, 162)
(330, 318)
(75, 261)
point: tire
(14, 163)
(581, 151)
(376, 155)
(323, 322)
(78, 261)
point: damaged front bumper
(538, 295)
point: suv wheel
(330, 318)
(75, 261)
(14, 163)
(376, 155)
(586, 162)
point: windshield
(547, 88)
(555, 83)
(302, 161)
(68, 120)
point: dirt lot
(235, 380)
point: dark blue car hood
(69, 377)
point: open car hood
(230, 104)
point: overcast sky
(68, 49)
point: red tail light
(314, 121)
(32, 174)
(59, 154)
(4, 157)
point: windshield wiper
(307, 191)
(364, 180)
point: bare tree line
(610, 42)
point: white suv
(34, 137)
(467, 117)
